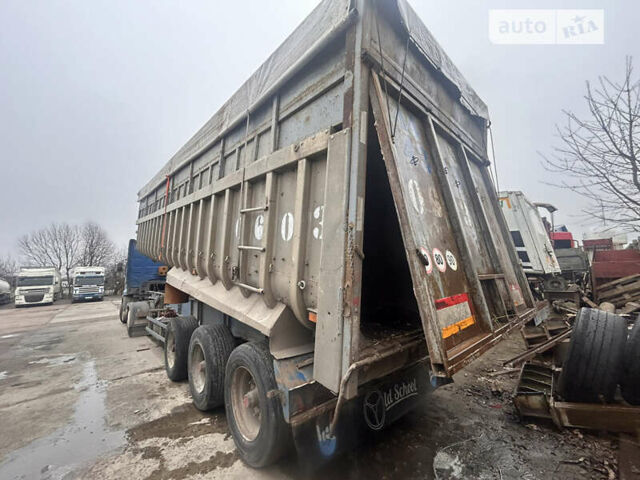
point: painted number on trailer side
(416, 196)
(286, 226)
(258, 227)
(318, 214)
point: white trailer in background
(5, 292)
(38, 286)
(531, 239)
(88, 283)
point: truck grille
(33, 297)
(88, 290)
(34, 291)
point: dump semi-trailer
(337, 234)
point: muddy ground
(79, 399)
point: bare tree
(57, 245)
(97, 248)
(8, 268)
(114, 278)
(599, 156)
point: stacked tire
(599, 358)
(630, 383)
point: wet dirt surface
(79, 399)
(173, 425)
(84, 438)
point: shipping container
(339, 209)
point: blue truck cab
(144, 278)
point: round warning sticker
(438, 259)
(426, 259)
(451, 260)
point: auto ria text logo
(562, 27)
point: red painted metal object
(562, 239)
(610, 265)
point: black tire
(209, 349)
(124, 312)
(272, 438)
(176, 346)
(630, 383)
(593, 366)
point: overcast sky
(95, 96)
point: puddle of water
(55, 361)
(11, 335)
(3, 374)
(84, 439)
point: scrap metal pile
(623, 293)
(581, 370)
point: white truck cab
(38, 286)
(88, 283)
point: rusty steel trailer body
(339, 206)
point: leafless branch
(598, 156)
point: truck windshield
(89, 280)
(35, 281)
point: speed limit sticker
(438, 259)
(451, 260)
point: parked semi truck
(144, 282)
(88, 283)
(336, 233)
(37, 286)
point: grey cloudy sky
(96, 95)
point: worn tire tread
(182, 328)
(217, 344)
(593, 365)
(630, 384)
(272, 443)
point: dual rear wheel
(240, 377)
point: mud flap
(377, 406)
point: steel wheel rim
(245, 403)
(171, 349)
(198, 368)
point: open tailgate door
(468, 284)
